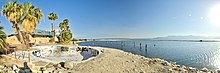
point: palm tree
(27, 15)
(13, 13)
(65, 34)
(61, 25)
(53, 17)
(31, 18)
(3, 45)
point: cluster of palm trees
(65, 34)
(24, 18)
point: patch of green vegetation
(65, 34)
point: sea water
(189, 53)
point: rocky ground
(109, 61)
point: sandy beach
(118, 61)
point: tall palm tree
(13, 13)
(3, 45)
(31, 18)
(27, 15)
(53, 17)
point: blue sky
(127, 18)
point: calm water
(195, 54)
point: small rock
(173, 63)
(59, 66)
(134, 69)
(133, 61)
(142, 71)
(42, 69)
(154, 60)
(178, 66)
(14, 67)
(62, 64)
(184, 67)
(142, 57)
(165, 63)
(176, 69)
(171, 69)
(102, 50)
(192, 69)
(204, 69)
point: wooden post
(29, 56)
(134, 44)
(124, 44)
(146, 49)
(140, 45)
(146, 46)
(121, 44)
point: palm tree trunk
(61, 37)
(28, 46)
(54, 35)
(53, 31)
(21, 38)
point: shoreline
(112, 60)
(152, 64)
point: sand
(117, 61)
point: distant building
(37, 37)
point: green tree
(53, 17)
(65, 34)
(3, 45)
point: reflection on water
(195, 54)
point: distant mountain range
(189, 37)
